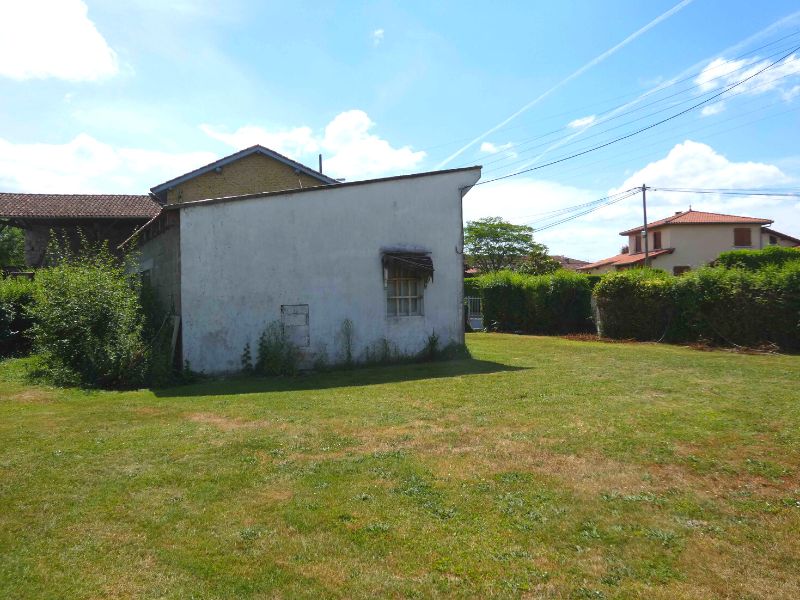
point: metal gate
(474, 312)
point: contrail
(563, 82)
(730, 50)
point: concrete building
(382, 254)
(691, 239)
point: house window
(680, 270)
(741, 237)
(656, 240)
(773, 240)
(638, 243)
(404, 290)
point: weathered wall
(242, 260)
(160, 259)
(37, 235)
(249, 175)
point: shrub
(546, 304)
(754, 260)
(89, 323)
(16, 297)
(472, 287)
(277, 355)
(636, 304)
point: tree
(492, 244)
(12, 246)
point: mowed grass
(541, 468)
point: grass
(542, 468)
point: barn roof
(77, 206)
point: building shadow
(356, 377)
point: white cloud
(712, 109)
(86, 165)
(349, 149)
(377, 37)
(582, 122)
(52, 38)
(721, 73)
(491, 148)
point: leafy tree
(12, 247)
(492, 244)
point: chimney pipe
(320, 164)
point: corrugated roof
(77, 206)
(699, 217)
(625, 259)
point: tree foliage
(492, 244)
(12, 247)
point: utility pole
(644, 212)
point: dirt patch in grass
(33, 396)
(225, 423)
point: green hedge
(716, 304)
(472, 287)
(754, 260)
(16, 296)
(546, 304)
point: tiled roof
(625, 259)
(77, 206)
(698, 217)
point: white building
(691, 239)
(383, 254)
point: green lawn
(542, 468)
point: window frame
(656, 240)
(398, 277)
(637, 244)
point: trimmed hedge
(754, 260)
(716, 304)
(16, 296)
(472, 287)
(546, 304)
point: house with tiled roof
(690, 239)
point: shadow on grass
(356, 377)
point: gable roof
(77, 206)
(699, 217)
(257, 149)
(625, 259)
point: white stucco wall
(242, 259)
(698, 245)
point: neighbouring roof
(183, 205)
(257, 149)
(569, 263)
(77, 206)
(781, 235)
(699, 217)
(625, 259)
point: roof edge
(225, 160)
(208, 201)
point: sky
(102, 96)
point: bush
(472, 287)
(88, 321)
(546, 304)
(753, 260)
(715, 304)
(277, 355)
(637, 304)
(16, 297)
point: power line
(632, 192)
(728, 192)
(523, 143)
(652, 125)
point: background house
(690, 239)
(385, 254)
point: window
(294, 320)
(741, 237)
(680, 270)
(773, 240)
(656, 240)
(404, 289)
(638, 244)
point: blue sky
(108, 96)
